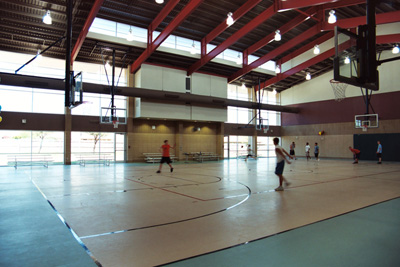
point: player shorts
(357, 156)
(279, 167)
(378, 155)
(291, 152)
(166, 160)
(316, 155)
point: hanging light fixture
(316, 50)
(396, 49)
(160, 1)
(193, 49)
(39, 55)
(346, 60)
(278, 36)
(308, 76)
(332, 17)
(130, 35)
(229, 19)
(239, 59)
(47, 18)
(277, 69)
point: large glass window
(95, 144)
(115, 29)
(265, 146)
(237, 146)
(15, 144)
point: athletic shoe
(172, 169)
(379, 162)
(158, 171)
(280, 188)
(355, 162)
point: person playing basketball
(280, 158)
(291, 150)
(165, 155)
(356, 154)
(379, 152)
(249, 153)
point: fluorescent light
(396, 49)
(347, 60)
(316, 50)
(278, 36)
(130, 35)
(308, 76)
(47, 18)
(160, 1)
(332, 17)
(229, 19)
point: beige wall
(143, 139)
(336, 140)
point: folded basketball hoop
(339, 89)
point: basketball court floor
(128, 215)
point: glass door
(119, 147)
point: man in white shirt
(280, 158)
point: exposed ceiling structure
(302, 24)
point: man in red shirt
(356, 154)
(165, 155)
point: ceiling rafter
(82, 35)
(232, 39)
(186, 11)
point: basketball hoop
(339, 89)
(265, 130)
(115, 123)
(365, 128)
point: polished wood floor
(128, 215)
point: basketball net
(339, 89)
(365, 128)
(115, 123)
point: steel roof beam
(285, 28)
(235, 15)
(276, 52)
(82, 35)
(232, 39)
(382, 39)
(383, 18)
(186, 11)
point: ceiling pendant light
(39, 55)
(308, 76)
(47, 18)
(278, 36)
(277, 70)
(346, 60)
(130, 35)
(316, 50)
(239, 59)
(160, 1)
(229, 19)
(193, 49)
(332, 17)
(396, 49)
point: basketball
(1, 118)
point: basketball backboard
(111, 115)
(76, 93)
(366, 121)
(352, 65)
